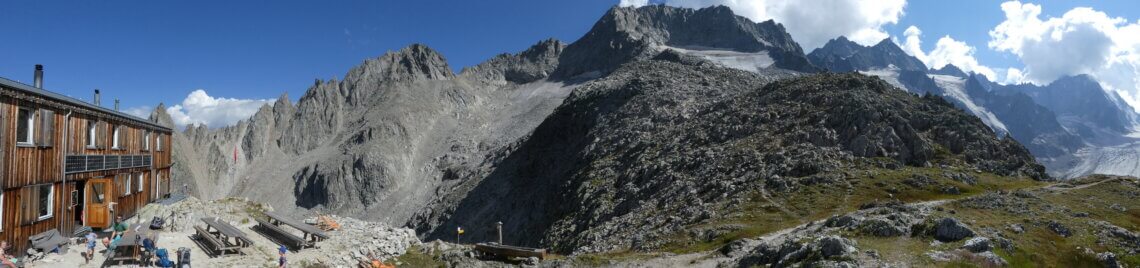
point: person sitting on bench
(5, 259)
(120, 227)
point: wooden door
(98, 198)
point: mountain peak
(414, 62)
(626, 34)
(950, 70)
(843, 55)
(887, 45)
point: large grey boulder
(978, 244)
(832, 246)
(950, 230)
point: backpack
(157, 223)
(163, 258)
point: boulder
(978, 244)
(1108, 259)
(831, 246)
(950, 230)
(1060, 229)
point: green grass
(1041, 247)
(762, 215)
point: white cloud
(1013, 76)
(141, 111)
(813, 23)
(201, 108)
(946, 51)
(1081, 41)
(633, 3)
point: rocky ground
(345, 247)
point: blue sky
(146, 52)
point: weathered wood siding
(41, 163)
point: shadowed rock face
(605, 162)
(628, 34)
(391, 132)
(842, 55)
(637, 154)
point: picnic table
(219, 236)
(310, 234)
(129, 247)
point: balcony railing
(88, 163)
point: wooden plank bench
(275, 232)
(510, 251)
(213, 242)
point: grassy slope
(1038, 246)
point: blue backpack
(163, 258)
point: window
(46, 200)
(115, 138)
(97, 197)
(25, 127)
(91, 133)
(158, 143)
(146, 141)
(141, 183)
(127, 184)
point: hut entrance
(97, 203)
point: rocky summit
(668, 137)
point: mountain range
(661, 128)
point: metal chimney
(39, 78)
(96, 97)
(116, 105)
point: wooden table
(311, 232)
(129, 247)
(226, 237)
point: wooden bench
(212, 241)
(275, 231)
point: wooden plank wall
(22, 166)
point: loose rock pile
(357, 239)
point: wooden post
(499, 227)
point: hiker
(5, 259)
(91, 238)
(281, 261)
(119, 228)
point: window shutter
(142, 140)
(101, 135)
(37, 127)
(47, 128)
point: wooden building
(66, 163)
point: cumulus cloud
(633, 3)
(946, 51)
(140, 112)
(1082, 41)
(1013, 76)
(813, 23)
(201, 108)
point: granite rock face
(626, 34)
(608, 143)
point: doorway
(97, 199)
(77, 190)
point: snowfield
(747, 61)
(954, 87)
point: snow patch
(954, 88)
(747, 61)
(1121, 160)
(889, 74)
